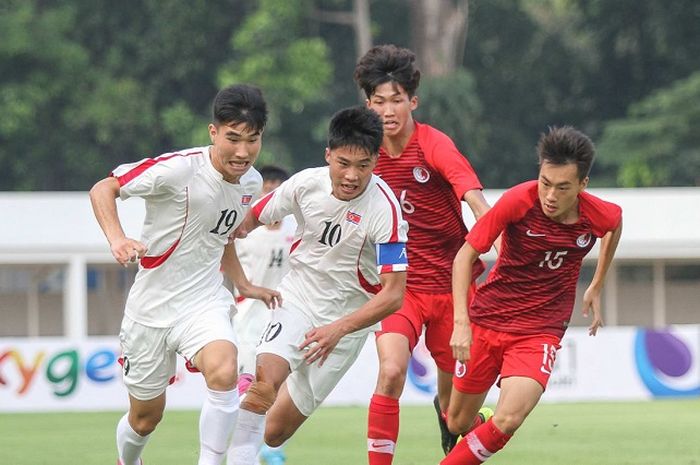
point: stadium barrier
(621, 363)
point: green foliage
(581, 62)
(86, 85)
(659, 141)
(451, 104)
(274, 50)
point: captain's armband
(392, 257)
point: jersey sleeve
(389, 233)
(153, 177)
(442, 155)
(605, 216)
(279, 203)
(511, 207)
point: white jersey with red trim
(335, 258)
(190, 212)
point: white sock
(247, 438)
(216, 422)
(130, 444)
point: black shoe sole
(448, 440)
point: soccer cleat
(244, 382)
(485, 413)
(119, 462)
(273, 456)
(448, 439)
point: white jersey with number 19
(340, 247)
(190, 212)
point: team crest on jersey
(460, 369)
(583, 240)
(353, 217)
(421, 174)
(245, 199)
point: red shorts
(495, 353)
(435, 312)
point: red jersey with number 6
(532, 287)
(429, 178)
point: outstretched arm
(103, 197)
(321, 341)
(591, 298)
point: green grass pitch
(635, 433)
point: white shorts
(150, 353)
(308, 385)
(249, 323)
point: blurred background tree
(90, 84)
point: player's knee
(275, 438)
(222, 377)
(144, 425)
(392, 375)
(508, 422)
(259, 398)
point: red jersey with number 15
(532, 287)
(429, 178)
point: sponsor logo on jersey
(421, 174)
(245, 199)
(583, 240)
(353, 217)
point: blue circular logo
(665, 364)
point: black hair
(387, 63)
(240, 103)
(357, 127)
(564, 145)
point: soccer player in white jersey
(347, 272)
(264, 256)
(178, 303)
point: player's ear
(328, 155)
(584, 183)
(212, 132)
(413, 102)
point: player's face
(394, 105)
(558, 189)
(350, 170)
(234, 149)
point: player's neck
(274, 226)
(395, 145)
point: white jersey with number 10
(340, 247)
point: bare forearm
(608, 246)
(233, 269)
(461, 279)
(386, 302)
(477, 202)
(103, 198)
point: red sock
(477, 446)
(382, 429)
